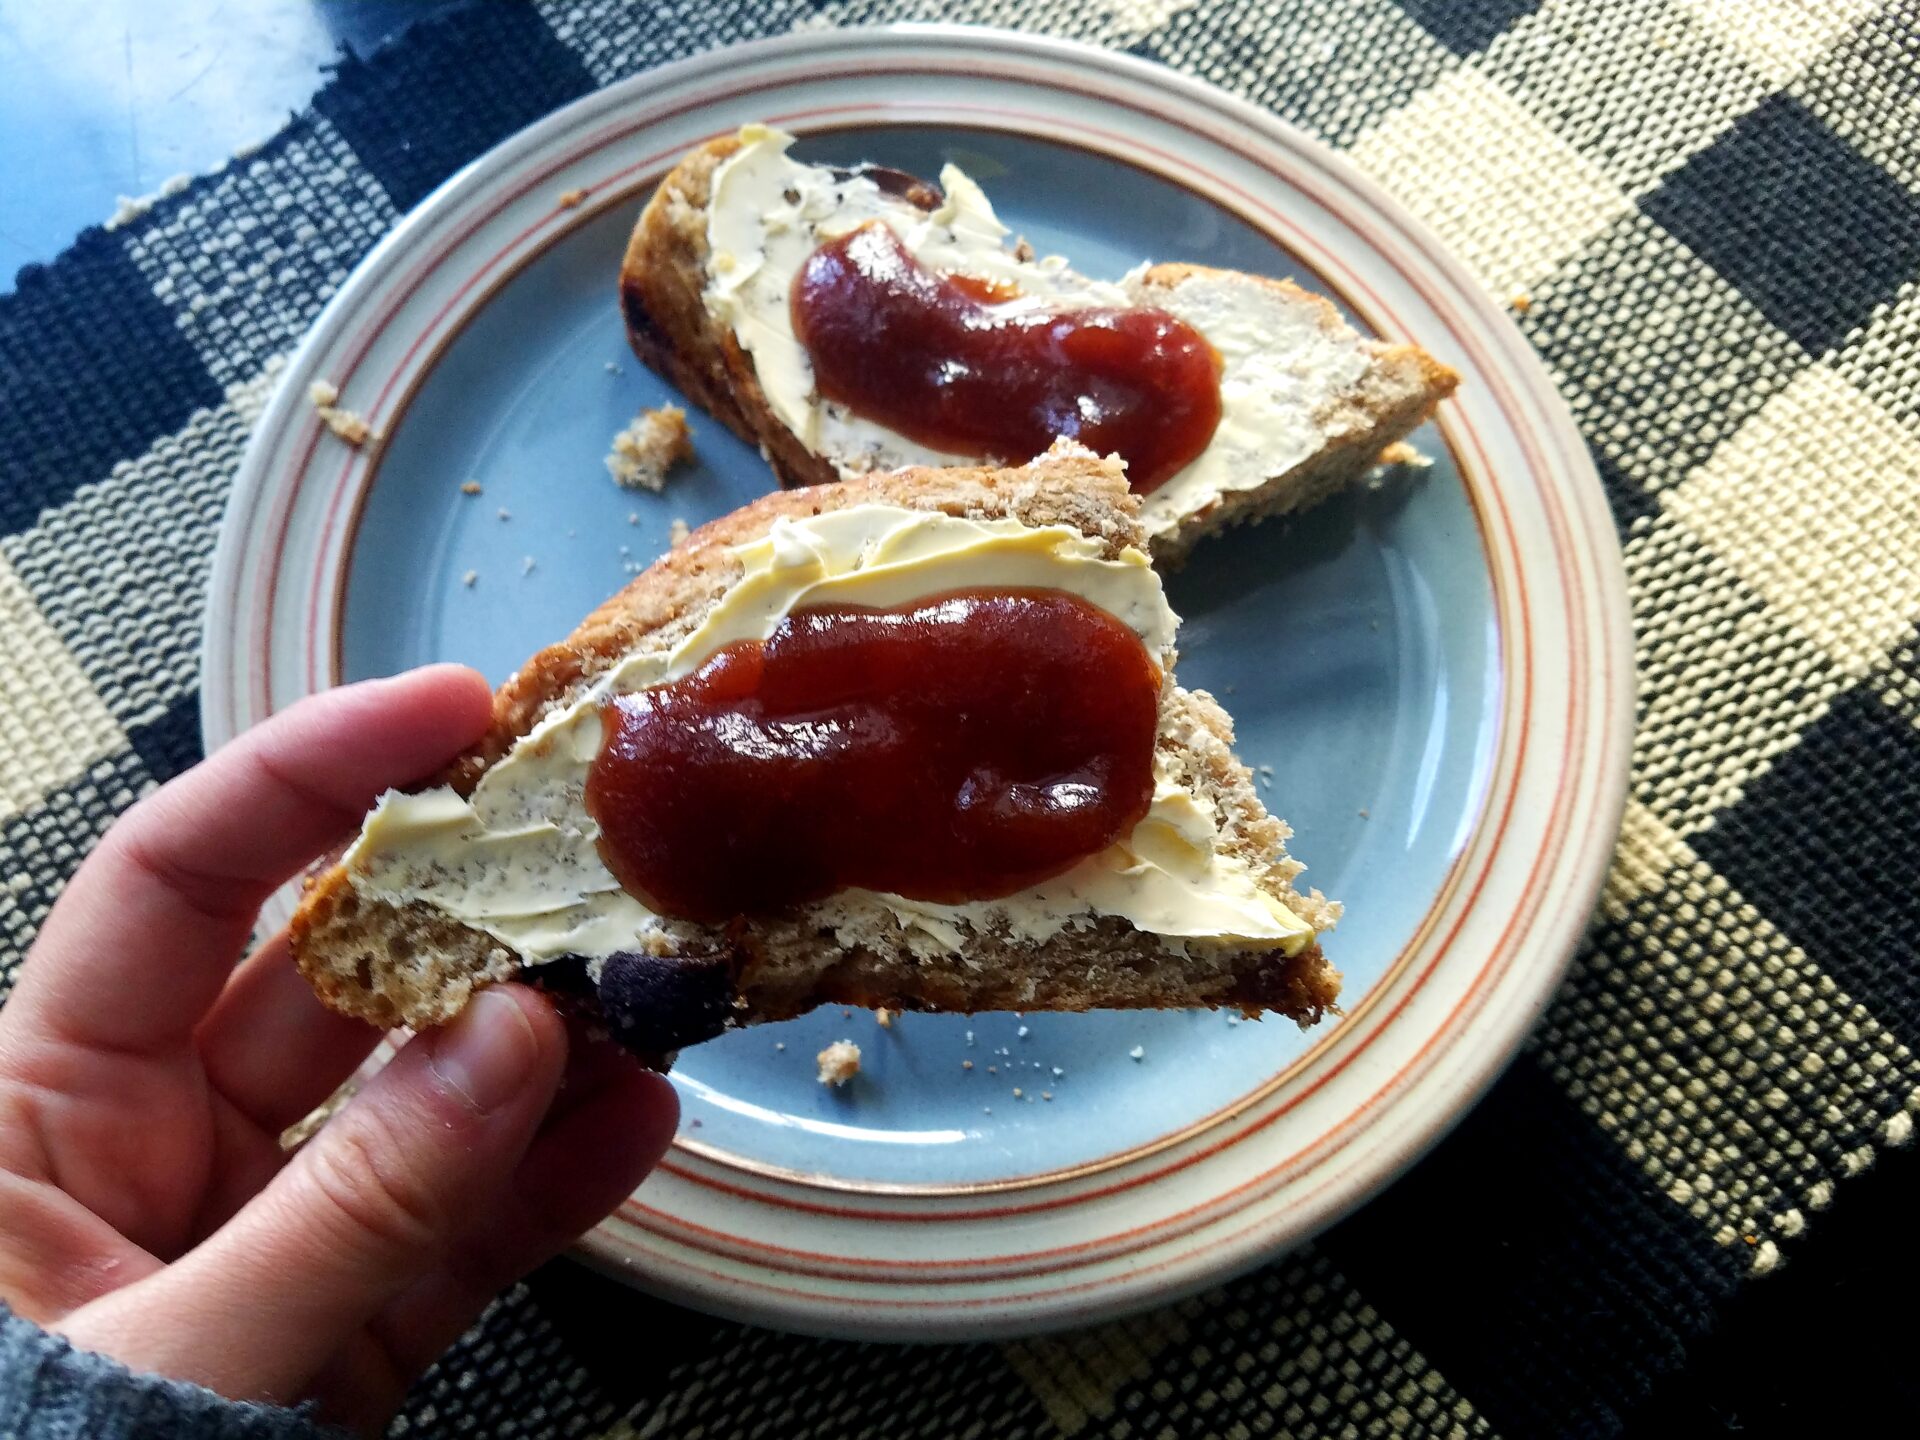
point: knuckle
(368, 1190)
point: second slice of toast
(1309, 404)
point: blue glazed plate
(1429, 677)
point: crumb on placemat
(677, 531)
(839, 1062)
(885, 1017)
(129, 208)
(652, 445)
(470, 487)
(349, 426)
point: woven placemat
(1706, 216)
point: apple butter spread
(971, 367)
(961, 747)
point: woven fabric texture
(1706, 216)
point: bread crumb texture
(839, 1062)
(347, 424)
(650, 447)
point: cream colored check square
(1508, 196)
(1726, 681)
(54, 721)
(1815, 502)
(1779, 38)
(1880, 358)
(1649, 852)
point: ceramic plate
(1432, 678)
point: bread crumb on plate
(348, 425)
(652, 445)
(571, 198)
(839, 1062)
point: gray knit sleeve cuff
(51, 1391)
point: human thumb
(373, 1203)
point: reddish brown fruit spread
(960, 748)
(944, 360)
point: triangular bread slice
(1311, 404)
(398, 950)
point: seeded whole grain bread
(394, 963)
(663, 279)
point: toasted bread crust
(394, 963)
(663, 280)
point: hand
(146, 1209)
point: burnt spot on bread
(921, 194)
(641, 327)
(565, 979)
(654, 1004)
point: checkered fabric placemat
(1706, 216)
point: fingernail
(486, 1054)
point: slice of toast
(1311, 404)
(404, 958)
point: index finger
(150, 926)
